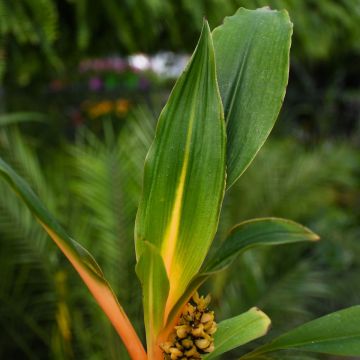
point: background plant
(323, 87)
(340, 215)
(82, 216)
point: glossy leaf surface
(184, 176)
(239, 330)
(337, 333)
(81, 260)
(252, 62)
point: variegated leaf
(184, 176)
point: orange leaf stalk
(107, 301)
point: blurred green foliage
(42, 41)
(92, 183)
(38, 33)
(320, 187)
(93, 186)
(28, 26)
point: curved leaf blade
(252, 61)
(246, 235)
(184, 175)
(257, 232)
(151, 271)
(81, 260)
(337, 334)
(239, 330)
(20, 117)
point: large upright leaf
(252, 62)
(337, 333)
(81, 260)
(185, 172)
(155, 284)
(246, 235)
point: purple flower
(95, 84)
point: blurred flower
(168, 64)
(100, 108)
(95, 84)
(139, 62)
(114, 63)
(122, 106)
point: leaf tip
(205, 31)
(265, 319)
(314, 237)
(311, 236)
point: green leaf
(81, 260)
(257, 232)
(20, 117)
(252, 62)
(152, 274)
(337, 333)
(248, 234)
(239, 330)
(184, 175)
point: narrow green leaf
(20, 117)
(337, 333)
(152, 274)
(81, 260)
(239, 330)
(248, 234)
(252, 62)
(257, 232)
(184, 175)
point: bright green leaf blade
(248, 234)
(152, 274)
(252, 62)
(337, 333)
(81, 260)
(184, 175)
(257, 232)
(239, 330)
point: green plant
(316, 187)
(184, 184)
(93, 187)
(30, 24)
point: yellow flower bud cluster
(193, 336)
